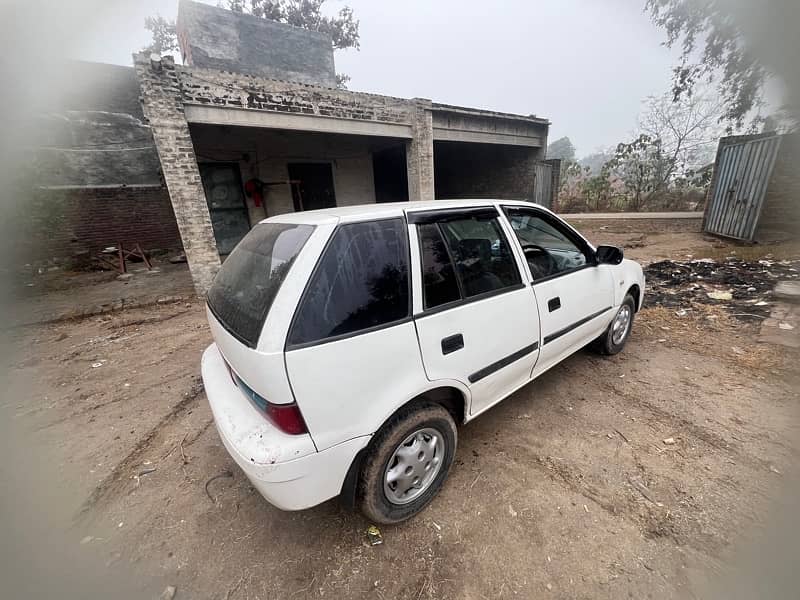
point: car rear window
(249, 279)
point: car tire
(613, 341)
(418, 442)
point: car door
(574, 294)
(476, 319)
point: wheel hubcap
(413, 466)
(621, 324)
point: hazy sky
(584, 64)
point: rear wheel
(613, 339)
(407, 464)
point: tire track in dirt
(111, 483)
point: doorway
(391, 174)
(222, 184)
(314, 189)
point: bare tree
(674, 140)
(688, 129)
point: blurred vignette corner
(37, 528)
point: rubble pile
(745, 288)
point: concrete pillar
(163, 108)
(419, 153)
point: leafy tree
(642, 167)
(343, 28)
(307, 14)
(165, 39)
(712, 45)
(561, 148)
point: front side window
(250, 277)
(360, 282)
(549, 250)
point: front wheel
(613, 339)
(408, 463)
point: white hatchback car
(350, 341)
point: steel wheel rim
(621, 324)
(413, 466)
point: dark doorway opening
(471, 170)
(315, 188)
(222, 184)
(390, 173)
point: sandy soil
(565, 490)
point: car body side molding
(575, 325)
(503, 362)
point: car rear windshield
(249, 279)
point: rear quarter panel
(347, 388)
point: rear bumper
(285, 469)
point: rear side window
(360, 282)
(249, 279)
(482, 256)
(438, 277)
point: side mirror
(608, 255)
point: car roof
(365, 212)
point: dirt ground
(637, 476)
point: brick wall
(234, 90)
(163, 109)
(216, 38)
(780, 213)
(64, 224)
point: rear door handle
(452, 343)
(554, 304)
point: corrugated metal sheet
(542, 184)
(743, 172)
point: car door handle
(554, 304)
(452, 343)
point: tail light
(286, 417)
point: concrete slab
(783, 326)
(788, 290)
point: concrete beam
(242, 117)
(483, 137)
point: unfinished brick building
(252, 126)
(95, 171)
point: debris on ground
(168, 593)
(745, 288)
(669, 441)
(215, 477)
(643, 490)
(720, 295)
(374, 535)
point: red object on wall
(254, 188)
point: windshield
(249, 279)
